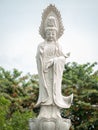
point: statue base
(49, 124)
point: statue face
(51, 35)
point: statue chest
(50, 51)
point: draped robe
(50, 64)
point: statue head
(51, 27)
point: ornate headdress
(51, 18)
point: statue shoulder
(40, 48)
(42, 44)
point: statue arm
(66, 55)
(63, 54)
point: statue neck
(51, 42)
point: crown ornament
(51, 18)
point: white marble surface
(50, 63)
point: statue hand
(48, 64)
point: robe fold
(50, 65)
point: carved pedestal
(49, 124)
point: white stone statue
(50, 63)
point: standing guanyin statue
(50, 64)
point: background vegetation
(18, 95)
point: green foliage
(4, 104)
(18, 95)
(83, 82)
(19, 121)
(80, 75)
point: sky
(19, 31)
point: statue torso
(50, 50)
